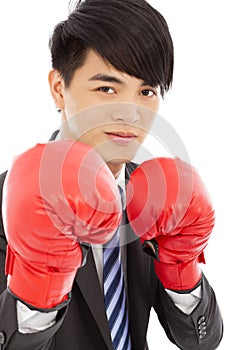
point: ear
(56, 84)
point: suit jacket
(82, 325)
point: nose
(126, 113)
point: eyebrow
(111, 79)
(106, 78)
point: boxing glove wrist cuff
(37, 288)
(33, 307)
(181, 277)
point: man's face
(105, 108)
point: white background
(199, 107)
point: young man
(111, 62)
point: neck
(115, 168)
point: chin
(118, 157)
(117, 154)
(118, 161)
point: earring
(58, 109)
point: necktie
(115, 295)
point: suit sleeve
(10, 338)
(202, 329)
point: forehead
(95, 68)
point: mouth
(121, 137)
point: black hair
(130, 34)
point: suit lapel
(139, 299)
(138, 272)
(93, 295)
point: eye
(106, 90)
(148, 93)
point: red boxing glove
(56, 196)
(169, 208)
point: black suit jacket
(82, 325)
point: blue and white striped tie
(115, 295)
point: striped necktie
(115, 295)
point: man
(111, 62)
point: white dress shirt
(32, 321)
